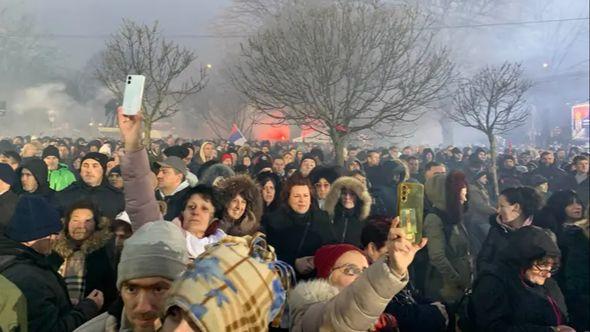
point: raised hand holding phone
(130, 129)
(400, 250)
(133, 96)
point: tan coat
(318, 306)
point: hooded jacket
(38, 168)
(318, 306)
(100, 270)
(503, 300)
(229, 188)
(348, 224)
(449, 271)
(48, 304)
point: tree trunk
(338, 143)
(494, 168)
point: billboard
(580, 122)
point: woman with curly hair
(241, 205)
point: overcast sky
(93, 19)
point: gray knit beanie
(157, 249)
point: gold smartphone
(411, 209)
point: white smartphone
(133, 94)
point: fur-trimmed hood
(350, 183)
(310, 292)
(247, 188)
(65, 247)
(215, 171)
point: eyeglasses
(350, 270)
(546, 267)
(347, 193)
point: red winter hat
(326, 256)
(227, 156)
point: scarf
(73, 270)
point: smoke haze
(53, 44)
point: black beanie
(34, 218)
(50, 151)
(101, 158)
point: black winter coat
(555, 176)
(8, 202)
(384, 200)
(503, 301)
(109, 200)
(294, 236)
(575, 272)
(496, 240)
(414, 314)
(173, 203)
(347, 226)
(48, 304)
(582, 188)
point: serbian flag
(236, 137)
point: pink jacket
(140, 200)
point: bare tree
(493, 102)
(219, 106)
(343, 68)
(25, 58)
(170, 70)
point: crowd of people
(182, 235)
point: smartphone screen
(133, 96)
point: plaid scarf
(74, 273)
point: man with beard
(80, 254)
(94, 187)
(548, 168)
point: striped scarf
(74, 273)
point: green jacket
(13, 307)
(61, 178)
(450, 265)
